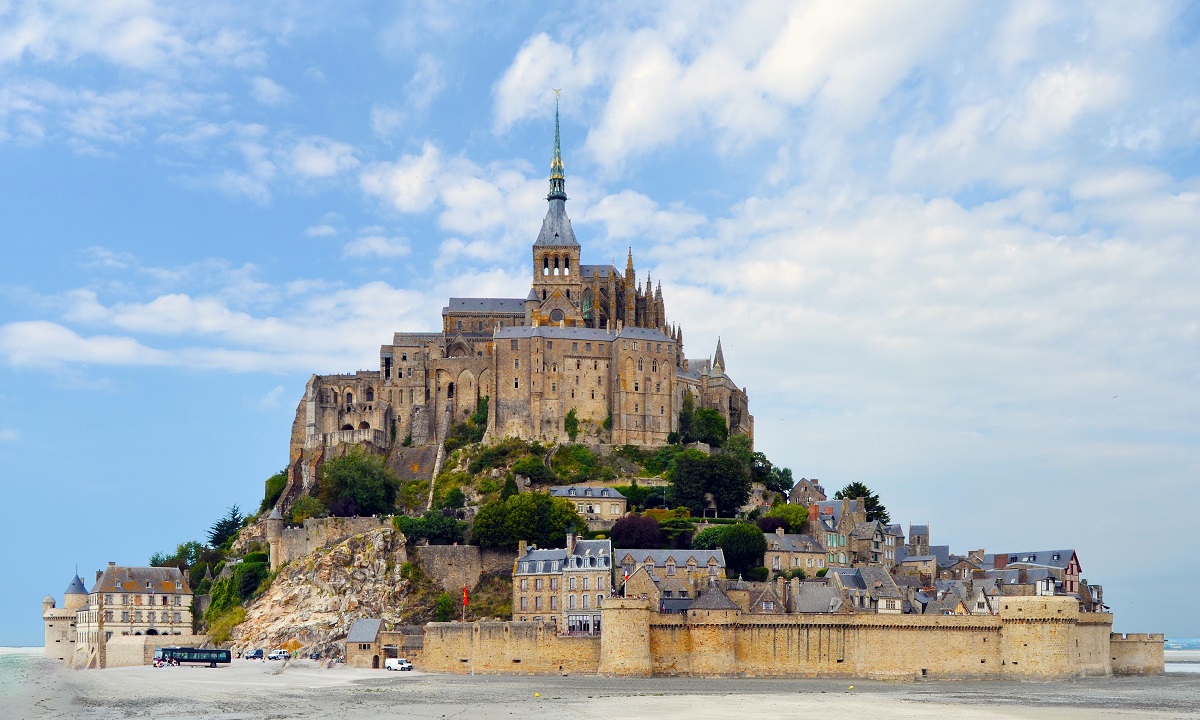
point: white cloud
(321, 157)
(377, 246)
(320, 231)
(46, 344)
(275, 397)
(408, 184)
(266, 91)
(9, 435)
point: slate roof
(919, 558)
(556, 227)
(790, 542)
(713, 599)
(894, 530)
(488, 306)
(364, 630)
(918, 530)
(117, 578)
(589, 271)
(813, 598)
(660, 557)
(942, 553)
(871, 578)
(1049, 558)
(577, 333)
(76, 587)
(585, 491)
(866, 530)
(836, 506)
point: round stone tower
(75, 596)
(274, 527)
(625, 642)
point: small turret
(75, 596)
(719, 360)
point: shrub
(220, 628)
(305, 507)
(637, 531)
(743, 545)
(793, 516)
(756, 574)
(275, 486)
(534, 517)
(454, 498)
(357, 484)
(770, 524)
(575, 463)
(255, 557)
(445, 608)
(571, 424)
(534, 469)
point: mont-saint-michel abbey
(588, 338)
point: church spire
(719, 359)
(558, 187)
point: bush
(434, 527)
(743, 545)
(256, 557)
(357, 484)
(575, 463)
(534, 469)
(770, 524)
(499, 454)
(445, 608)
(756, 574)
(793, 516)
(454, 498)
(220, 628)
(533, 517)
(275, 486)
(305, 507)
(571, 424)
(637, 531)
(472, 430)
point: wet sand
(300, 689)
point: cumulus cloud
(321, 157)
(409, 183)
(381, 246)
(9, 435)
(268, 92)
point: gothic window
(555, 264)
(545, 270)
(653, 366)
(639, 364)
(567, 269)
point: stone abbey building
(588, 338)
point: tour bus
(193, 655)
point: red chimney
(999, 561)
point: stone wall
(290, 543)
(1137, 653)
(511, 648)
(457, 565)
(135, 650)
(1034, 637)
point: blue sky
(951, 248)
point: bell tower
(557, 283)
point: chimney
(999, 561)
(522, 548)
(571, 538)
(779, 531)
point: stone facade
(289, 543)
(456, 566)
(565, 587)
(1031, 638)
(586, 338)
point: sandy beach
(300, 689)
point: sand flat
(301, 689)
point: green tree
(510, 488)
(859, 491)
(636, 531)
(357, 484)
(225, 528)
(743, 545)
(689, 481)
(454, 499)
(534, 517)
(793, 515)
(534, 469)
(709, 427)
(729, 483)
(434, 526)
(571, 424)
(687, 413)
(275, 486)
(305, 507)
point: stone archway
(375, 663)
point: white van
(397, 664)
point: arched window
(555, 264)
(349, 398)
(653, 366)
(480, 326)
(567, 266)
(370, 394)
(639, 364)
(545, 266)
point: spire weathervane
(558, 188)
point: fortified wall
(1032, 637)
(1137, 653)
(289, 543)
(456, 566)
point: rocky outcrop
(315, 599)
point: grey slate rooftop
(490, 306)
(364, 630)
(585, 491)
(713, 599)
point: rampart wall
(135, 650)
(289, 543)
(1034, 637)
(1137, 654)
(511, 648)
(458, 565)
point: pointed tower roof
(556, 227)
(719, 359)
(76, 587)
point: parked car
(315, 656)
(255, 654)
(397, 664)
(278, 655)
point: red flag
(465, 598)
